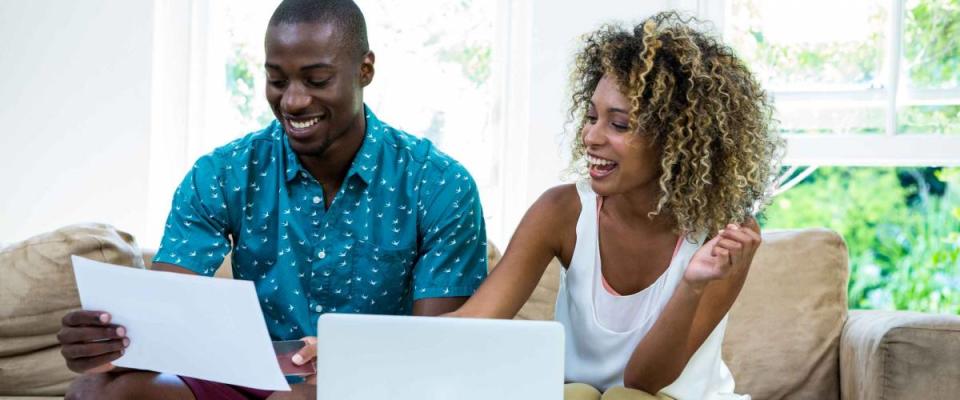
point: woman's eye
(591, 119)
(621, 127)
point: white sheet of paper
(195, 326)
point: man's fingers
(96, 364)
(307, 353)
(86, 318)
(90, 334)
(87, 350)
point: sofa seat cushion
(37, 287)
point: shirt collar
(364, 164)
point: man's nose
(295, 99)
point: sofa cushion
(37, 288)
(784, 330)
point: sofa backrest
(783, 333)
(37, 288)
(783, 336)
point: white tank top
(603, 329)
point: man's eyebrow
(316, 66)
(304, 68)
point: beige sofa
(790, 335)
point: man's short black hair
(344, 13)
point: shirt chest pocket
(382, 274)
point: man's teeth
(599, 161)
(304, 124)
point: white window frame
(888, 149)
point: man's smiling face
(315, 84)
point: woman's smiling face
(619, 161)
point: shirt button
(319, 308)
(316, 199)
(322, 254)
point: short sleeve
(453, 254)
(195, 236)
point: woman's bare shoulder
(560, 201)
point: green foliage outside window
(901, 226)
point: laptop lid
(418, 358)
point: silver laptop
(363, 357)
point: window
(870, 92)
(872, 82)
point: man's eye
(277, 82)
(316, 83)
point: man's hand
(89, 342)
(306, 355)
(727, 254)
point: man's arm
(452, 251)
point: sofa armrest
(899, 355)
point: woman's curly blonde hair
(704, 110)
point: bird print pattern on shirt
(405, 224)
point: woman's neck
(633, 209)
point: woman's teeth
(600, 162)
(304, 124)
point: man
(327, 209)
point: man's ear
(366, 68)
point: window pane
(929, 119)
(433, 74)
(433, 79)
(901, 227)
(816, 117)
(931, 50)
(811, 45)
(245, 24)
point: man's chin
(309, 149)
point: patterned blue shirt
(405, 225)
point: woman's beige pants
(582, 391)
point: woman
(656, 243)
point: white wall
(75, 111)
